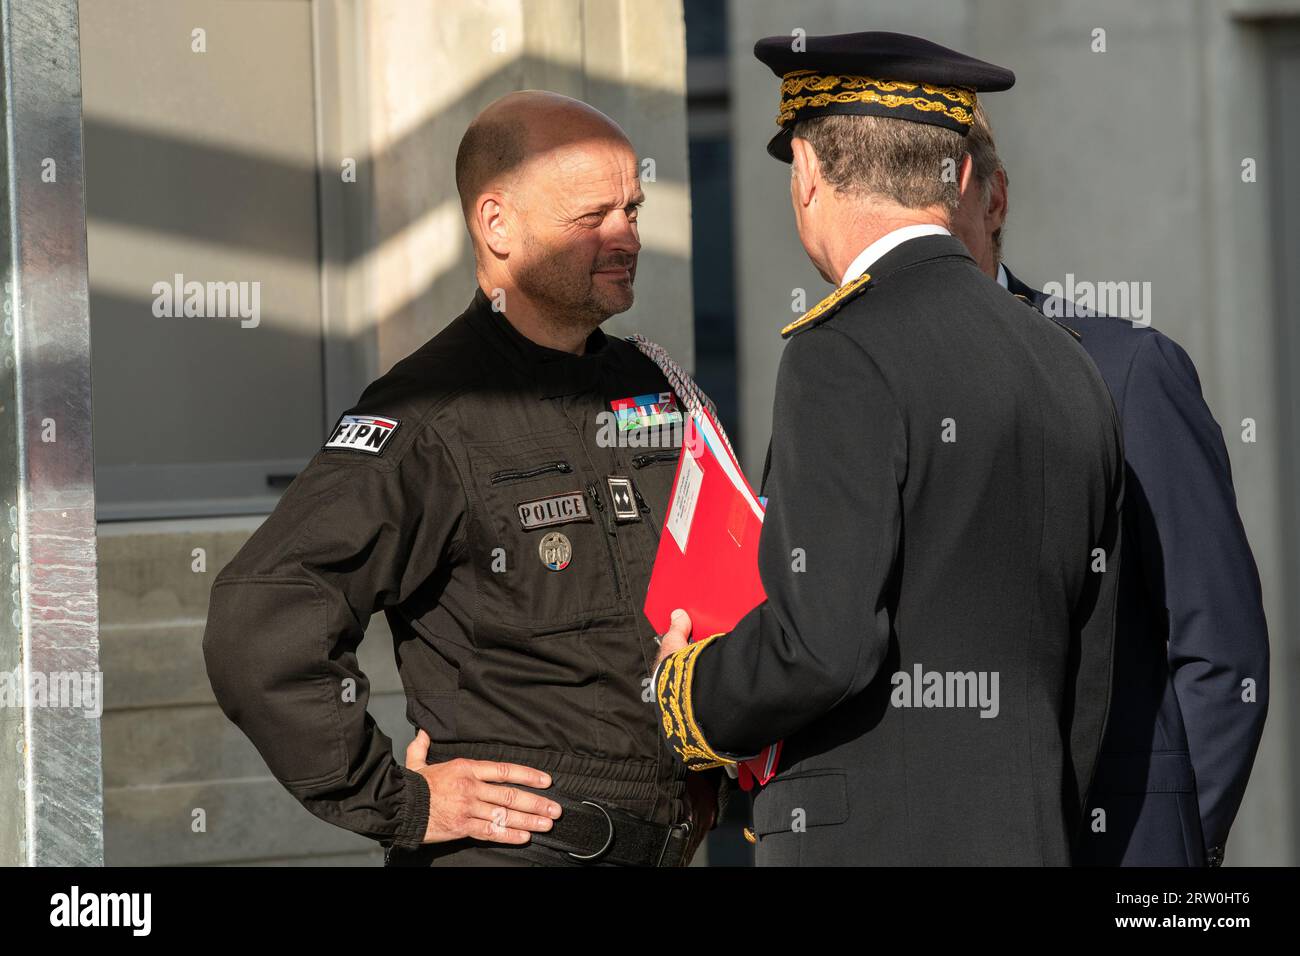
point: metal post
(51, 789)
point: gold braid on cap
(805, 89)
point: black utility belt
(592, 831)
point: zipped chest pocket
(517, 474)
(539, 539)
(652, 484)
(656, 458)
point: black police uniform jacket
(500, 656)
(945, 472)
(1191, 643)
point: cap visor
(778, 147)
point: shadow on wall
(127, 168)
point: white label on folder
(685, 495)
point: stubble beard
(569, 292)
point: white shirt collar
(868, 256)
(1002, 275)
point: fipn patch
(367, 433)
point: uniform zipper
(645, 509)
(563, 467)
(609, 528)
(640, 461)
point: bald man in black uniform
(469, 494)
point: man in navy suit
(1190, 689)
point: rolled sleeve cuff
(414, 818)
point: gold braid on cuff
(674, 696)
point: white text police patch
(368, 433)
(557, 509)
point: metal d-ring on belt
(609, 840)
(593, 832)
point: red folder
(707, 563)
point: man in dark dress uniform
(495, 495)
(941, 544)
(1191, 644)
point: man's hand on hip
(465, 801)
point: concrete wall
(200, 164)
(182, 785)
(1124, 165)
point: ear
(806, 170)
(966, 175)
(996, 213)
(493, 223)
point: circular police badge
(555, 551)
